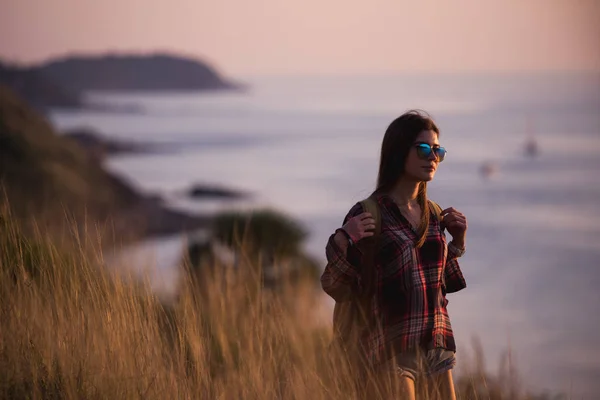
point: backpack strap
(370, 205)
(437, 211)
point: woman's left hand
(456, 224)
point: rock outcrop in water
(99, 147)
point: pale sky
(315, 36)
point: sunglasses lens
(441, 153)
(423, 151)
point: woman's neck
(405, 193)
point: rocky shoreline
(99, 146)
(150, 213)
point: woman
(411, 337)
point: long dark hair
(397, 142)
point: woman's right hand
(360, 227)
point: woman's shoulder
(356, 209)
(359, 206)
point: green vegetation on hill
(266, 241)
(263, 231)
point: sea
(308, 146)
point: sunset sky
(315, 36)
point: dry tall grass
(72, 330)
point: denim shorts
(419, 364)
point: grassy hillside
(72, 331)
(41, 170)
(47, 176)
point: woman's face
(422, 169)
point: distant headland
(62, 82)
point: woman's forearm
(341, 241)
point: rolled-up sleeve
(341, 276)
(453, 276)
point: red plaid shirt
(409, 303)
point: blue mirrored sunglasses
(424, 151)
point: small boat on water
(531, 148)
(488, 169)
